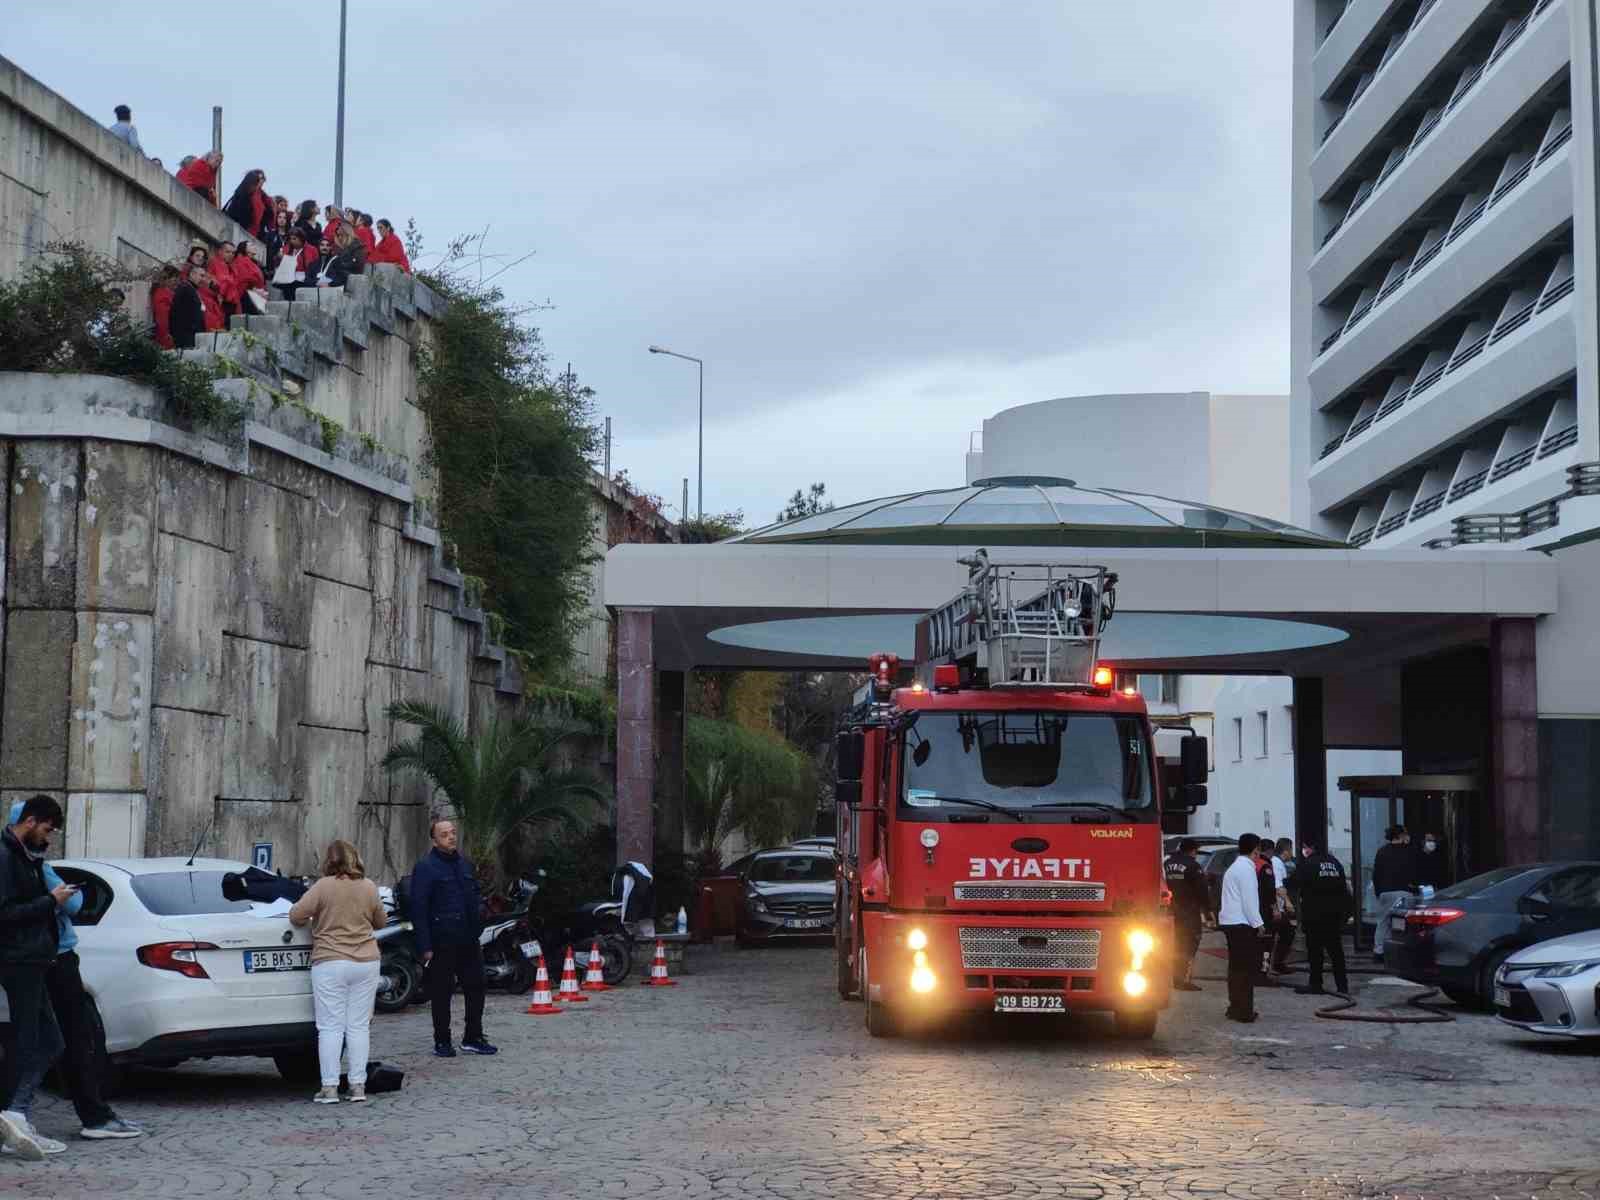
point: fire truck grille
(1094, 892)
(1030, 949)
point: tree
(807, 503)
(504, 780)
(746, 780)
(511, 450)
(714, 527)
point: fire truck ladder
(1025, 623)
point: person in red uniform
(200, 176)
(333, 218)
(363, 231)
(211, 304)
(390, 249)
(247, 277)
(161, 305)
(227, 287)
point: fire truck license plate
(1029, 1002)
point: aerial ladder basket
(1022, 623)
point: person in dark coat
(1393, 874)
(350, 259)
(1433, 867)
(187, 317)
(1324, 899)
(250, 205)
(1187, 883)
(446, 907)
(28, 944)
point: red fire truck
(999, 818)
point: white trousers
(343, 992)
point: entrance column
(669, 763)
(636, 735)
(1310, 765)
(1514, 738)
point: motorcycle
(599, 921)
(400, 970)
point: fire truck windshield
(1018, 762)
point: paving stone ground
(753, 1079)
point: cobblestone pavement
(753, 1080)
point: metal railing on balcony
(1427, 7)
(1556, 293)
(1583, 479)
(1558, 441)
(1511, 182)
(1392, 406)
(1505, 42)
(1424, 382)
(1468, 484)
(1514, 322)
(1361, 537)
(1426, 257)
(1513, 463)
(1360, 427)
(1361, 311)
(1555, 143)
(1466, 354)
(1330, 446)
(1468, 221)
(1389, 524)
(1331, 339)
(1428, 506)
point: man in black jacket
(1324, 899)
(188, 318)
(1393, 873)
(1187, 883)
(445, 912)
(27, 951)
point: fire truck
(999, 815)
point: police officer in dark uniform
(1187, 883)
(1324, 899)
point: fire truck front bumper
(1026, 965)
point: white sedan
(1552, 987)
(176, 970)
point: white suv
(176, 970)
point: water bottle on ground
(683, 919)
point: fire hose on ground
(1427, 1014)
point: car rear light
(1432, 916)
(181, 957)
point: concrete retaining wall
(199, 633)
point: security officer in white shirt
(1239, 918)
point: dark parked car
(1208, 845)
(1215, 867)
(1457, 939)
(787, 894)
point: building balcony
(1440, 405)
(1342, 42)
(1488, 235)
(1482, 104)
(1401, 74)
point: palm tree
(708, 807)
(506, 778)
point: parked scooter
(400, 970)
(597, 921)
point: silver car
(1552, 987)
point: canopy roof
(1036, 510)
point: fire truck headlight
(916, 940)
(922, 979)
(1135, 984)
(1140, 942)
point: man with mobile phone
(28, 935)
(80, 1060)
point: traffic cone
(542, 1006)
(569, 982)
(594, 979)
(658, 969)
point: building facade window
(1261, 729)
(1238, 739)
(1288, 726)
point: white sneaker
(48, 1144)
(18, 1138)
(327, 1095)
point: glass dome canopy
(1037, 510)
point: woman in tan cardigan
(344, 910)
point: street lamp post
(700, 483)
(338, 136)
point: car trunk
(255, 957)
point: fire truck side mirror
(1193, 795)
(849, 750)
(1195, 759)
(847, 791)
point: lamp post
(700, 485)
(338, 136)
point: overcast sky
(877, 227)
